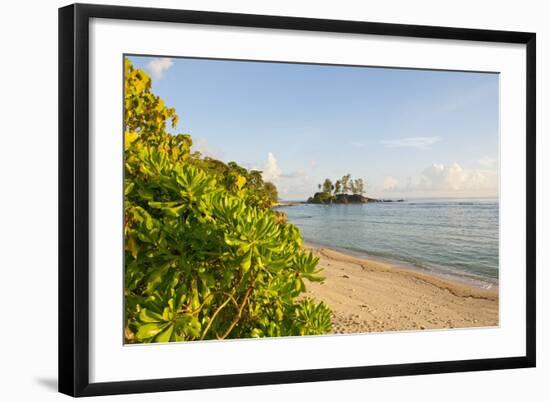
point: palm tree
(337, 187)
(346, 183)
(327, 186)
(359, 186)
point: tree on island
(327, 186)
(357, 187)
(339, 191)
(346, 183)
(337, 187)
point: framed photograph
(250, 199)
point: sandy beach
(372, 296)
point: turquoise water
(453, 236)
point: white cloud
(446, 180)
(487, 161)
(438, 177)
(419, 142)
(271, 171)
(159, 66)
(293, 185)
(454, 178)
(390, 184)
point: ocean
(457, 237)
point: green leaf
(162, 205)
(147, 316)
(193, 327)
(165, 335)
(128, 188)
(150, 330)
(246, 261)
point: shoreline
(460, 277)
(369, 295)
(484, 275)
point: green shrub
(205, 257)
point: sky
(407, 133)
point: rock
(327, 198)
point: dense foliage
(205, 256)
(236, 178)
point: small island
(343, 191)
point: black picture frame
(74, 198)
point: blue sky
(407, 133)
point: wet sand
(372, 296)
